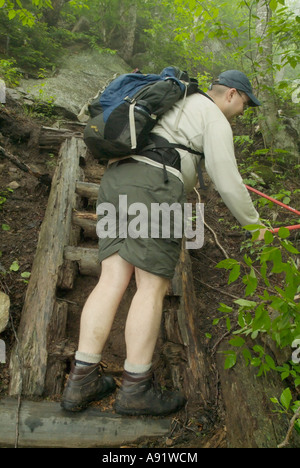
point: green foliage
(26, 16)
(9, 72)
(30, 47)
(286, 405)
(268, 311)
(269, 306)
(198, 35)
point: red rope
(273, 200)
(290, 228)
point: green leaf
(26, 274)
(224, 308)
(262, 320)
(286, 398)
(245, 303)
(227, 264)
(259, 349)
(273, 5)
(289, 247)
(199, 36)
(234, 274)
(253, 227)
(230, 360)
(270, 362)
(14, 266)
(5, 227)
(238, 342)
(247, 356)
(284, 375)
(274, 400)
(11, 14)
(297, 382)
(248, 260)
(268, 237)
(256, 362)
(251, 283)
(283, 233)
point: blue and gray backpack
(123, 116)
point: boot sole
(135, 412)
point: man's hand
(261, 234)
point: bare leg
(144, 317)
(138, 395)
(101, 306)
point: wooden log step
(87, 222)
(86, 258)
(44, 424)
(87, 189)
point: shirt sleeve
(221, 166)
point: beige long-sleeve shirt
(203, 127)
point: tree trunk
(51, 15)
(250, 418)
(274, 130)
(129, 25)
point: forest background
(259, 37)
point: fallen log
(52, 138)
(43, 424)
(43, 178)
(29, 359)
(184, 350)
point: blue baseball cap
(238, 80)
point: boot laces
(101, 367)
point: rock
(265, 173)
(4, 311)
(87, 71)
(14, 185)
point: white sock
(84, 359)
(136, 368)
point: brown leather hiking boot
(86, 384)
(144, 398)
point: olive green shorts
(131, 220)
